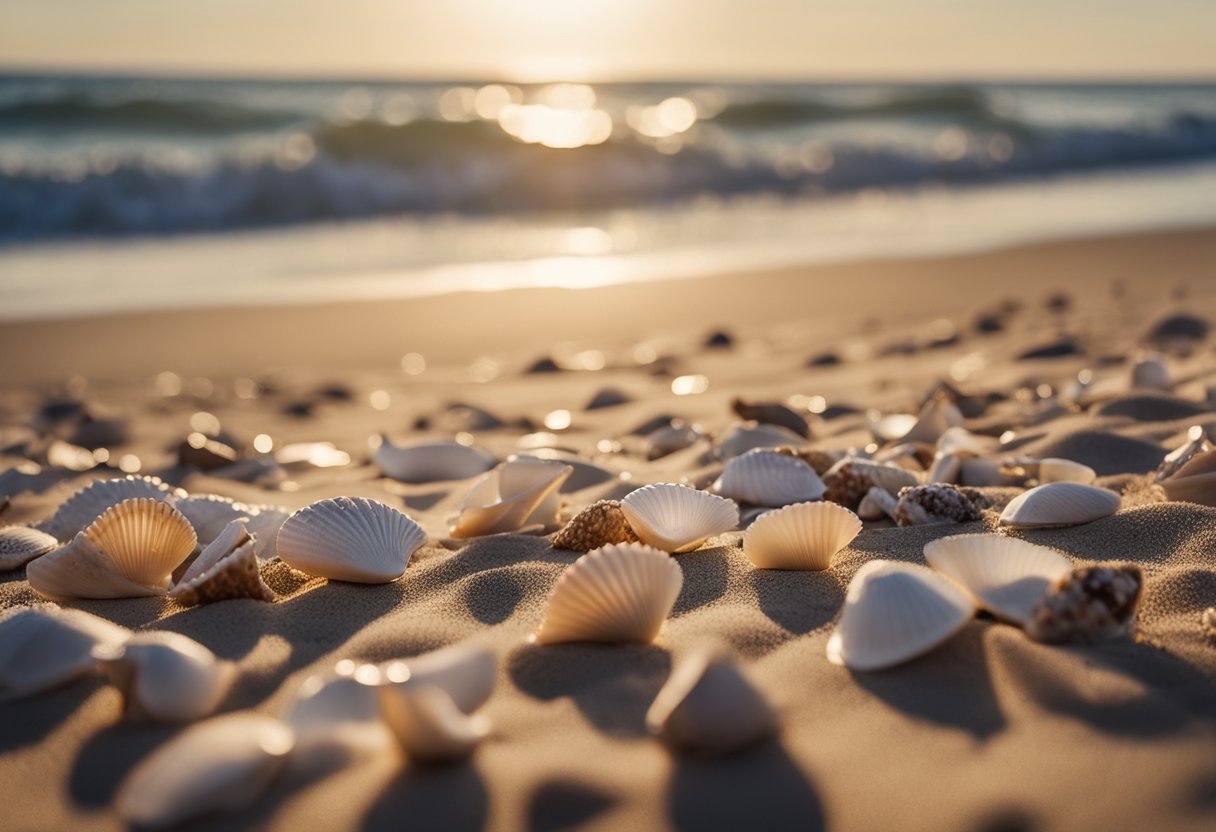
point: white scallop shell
(708, 705)
(1005, 575)
(223, 764)
(894, 612)
(676, 518)
(146, 539)
(81, 570)
(210, 514)
(226, 568)
(801, 536)
(618, 593)
(431, 461)
(350, 539)
(466, 674)
(1065, 470)
(86, 505)
(20, 544)
(1059, 504)
(264, 524)
(428, 725)
(44, 646)
(747, 436)
(519, 493)
(165, 677)
(764, 478)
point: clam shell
(165, 677)
(81, 570)
(801, 536)
(86, 505)
(428, 726)
(44, 646)
(597, 525)
(226, 568)
(894, 612)
(519, 493)
(764, 478)
(1065, 470)
(1005, 575)
(1059, 504)
(431, 461)
(20, 544)
(350, 539)
(223, 764)
(747, 436)
(466, 674)
(620, 593)
(146, 539)
(676, 518)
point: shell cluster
(936, 503)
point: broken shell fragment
(1194, 481)
(227, 568)
(1006, 576)
(20, 544)
(1088, 603)
(876, 505)
(764, 478)
(676, 518)
(803, 536)
(1059, 504)
(937, 503)
(1197, 443)
(45, 646)
(519, 493)
(431, 461)
(350, 539)
(165, 677)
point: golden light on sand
(587, 241)
(689, 385)
(380, 399)
(413, 364)
(263, 444)
(558, 420)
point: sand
(992, 731)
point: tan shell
(1052, 469)
(1088, 603)
(676, 518)
(597, 525)
(20, 544)
(165, 677)
(516, 494)
(350, 539)
(81, 570)
(1006, 576)
(227, 568)
(1059, 504)
(45, 646)
(937, 503)
(803, 536)
(428, 726)
(431, 461)
(764, 478)
(86, 505)
(1194, 481)
(146, 539)
(876, 505)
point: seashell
(676, 518)
(708, 705)
(1197, 443)
(146, 539)
(1065, 470)
(210, 514)
(86, 505)
(913, 456)
(771, 413)
(946, 468)
(1195, 481)
(802, 536)
(599, 524)
(350, 539)
(227, 568)
(764, 478)
(1059, 504)
(467, 675)
(619, 593)
(332, 702)
(523, 492)
(674, 436)
(744, 437)
(850, 479)
(165, 677)
(876, 505)
(1006, 576)
(892, 427)
(959, 440)
(224, 764)
(428, 725)
(820, 461)
(431, 461)
(44, 646)
(938, 415)
(926, 505)
(1151, 373)
(81, 570)
(894, 612)
(1088, 603)
(20, 544)
(264, 524)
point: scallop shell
(894, 612)
(1059, 504)
(597, 525)
(1005, 575)
(20, 544)
(227, 568)
(431, 461)
(802, 536)
(516, 494)
(620, 593)
(936, 503)
(165, 677)
(676, 518)
(1194, 481)
(764, 478)
(146, 539)
(350, 539)
(264, 524)
(465, 674)
(44, 646)
(747, 436)
(1088, 603)
(708, 705)
(81, 569)
(224, 764)
(86, 505)
(1065, 470)
(210, 514)
(428, 725)
(851, 478)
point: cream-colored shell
(959, 440)
(519, 493)
(146, 539)
(165, 677)
(1194, 481)
(86, 505)
(747, 436)
(1052, 469)
(764, 478)
(431, 461)
(210, 514)
(428, 726)
(466, 674)
(676, 518)
(20, 544)
(802, 536)
(894, 612)
(45, 646)
(620, 593)
(1005, 575)
(1059, 504)
(81, 570)
(264, 524)
(877, 505)
(350, 539)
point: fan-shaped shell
(350, 539)
(1059, 504)
(146, 539)
(676, 518)
(750, 435)
(1065, 470)
(801, 536)
(44, 646)
(165, 677)
(81, 570)
(264, 524)
(428, 726)
(519, 493)
(86, 505)
(894, 612)
(431, 461)
(764, 478)
(620, 593)
(210, 514)
(226, 568)
(465, 674)
(223, 764)
(1005, 575)
(20, 544)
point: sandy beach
(990, 731)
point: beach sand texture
(990, 731)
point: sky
(539, 40)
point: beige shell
(1197, 443)
(81, 570)
(146, 539)
(466, 674)
(210, 514)
(165, 677)
(264, 524)
(1059, 504)
(620, 593)
(747, 436)
(350, 539)
(519, 493)
(597, 525)
(894, 612)
(431, 461)
(20, 544)
(801, 536)
(221, 765)
(851, 478)
(676, 518)
(428, 726)
(44, 646)
(670, 438)
(1005, 575)
(1194, 481)
(1052, 469)
(764, 478)
(709, 706)
(86, 505)
(227, 568)
(876, 505)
